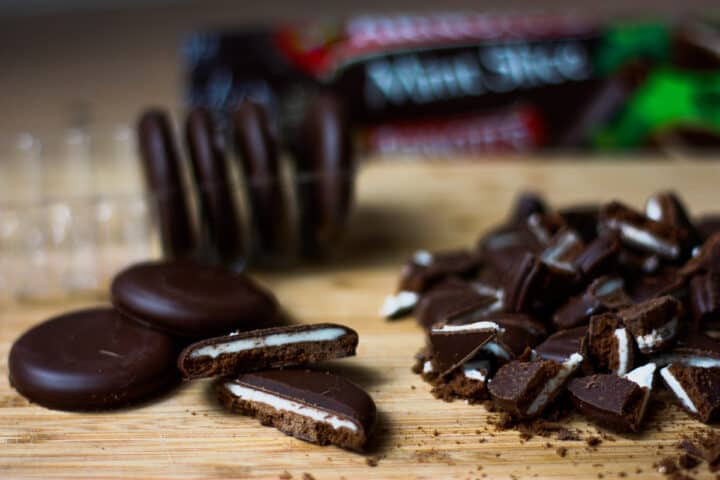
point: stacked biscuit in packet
(222, 324)
(303, 215)
(596, 302)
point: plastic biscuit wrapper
(475, 83)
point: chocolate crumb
(285, 476)
(593, 441)
(566, 435)
(666, 466)
(307, 476)
(561, 451)
(688, 462)
(622, 474)
(372, 461)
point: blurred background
(475, 80)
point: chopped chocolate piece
(455, 343)
(666, 207)
(610, 346)
(562, 345)
(425, 268)
(707, 226)
(525, 388)
(467, 382)
(526, 204)
(705, 299)
(694, 349)
(706, 259)
(472, 301)
(667, 281)
(508, 237)
(640, 232)
(705, 445)
(519, 332)
(314, 406)
(613, 401)
(534, 284)
(399, 304)
(563, 248)
(602, 295)
(544, 226)
(583, 219)
(697, 389)
(267, 348)
(654, 324)
(600, 256)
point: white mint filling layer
(621, 335)
(643, 377)
(423, 258)
(427, 366)
(657, 336)
(497, 350)
(477, 326)
(653, 210)
(568, 367)
(476, 369)
(677, 389)
(705, 362)
(643, 238)
(272, 340)
(401, 302)
(282, 404)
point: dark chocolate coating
(692, 344)
(578, 310)
(609, 400)
(321, 390)
(190, 300)
(600, 256)
(560, 345)
(212, 180)
(325, 164)
(672, 211)
(93, 359)
(582, 219)
(262, 357)
(420, 278)
(521, 331)
(258, 152)
(453, 348)
(436, 305)
(707, 225)
(705, 300)
(163, 174)
(534, 285)
(516, 385)
(526, 204)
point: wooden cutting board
(401, 206)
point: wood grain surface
(401, 206)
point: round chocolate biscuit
(325, 174)
(92, 359)
(163, 174)
(258, 152)
(212, 180)
(191, 300)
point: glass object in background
(72, 213)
